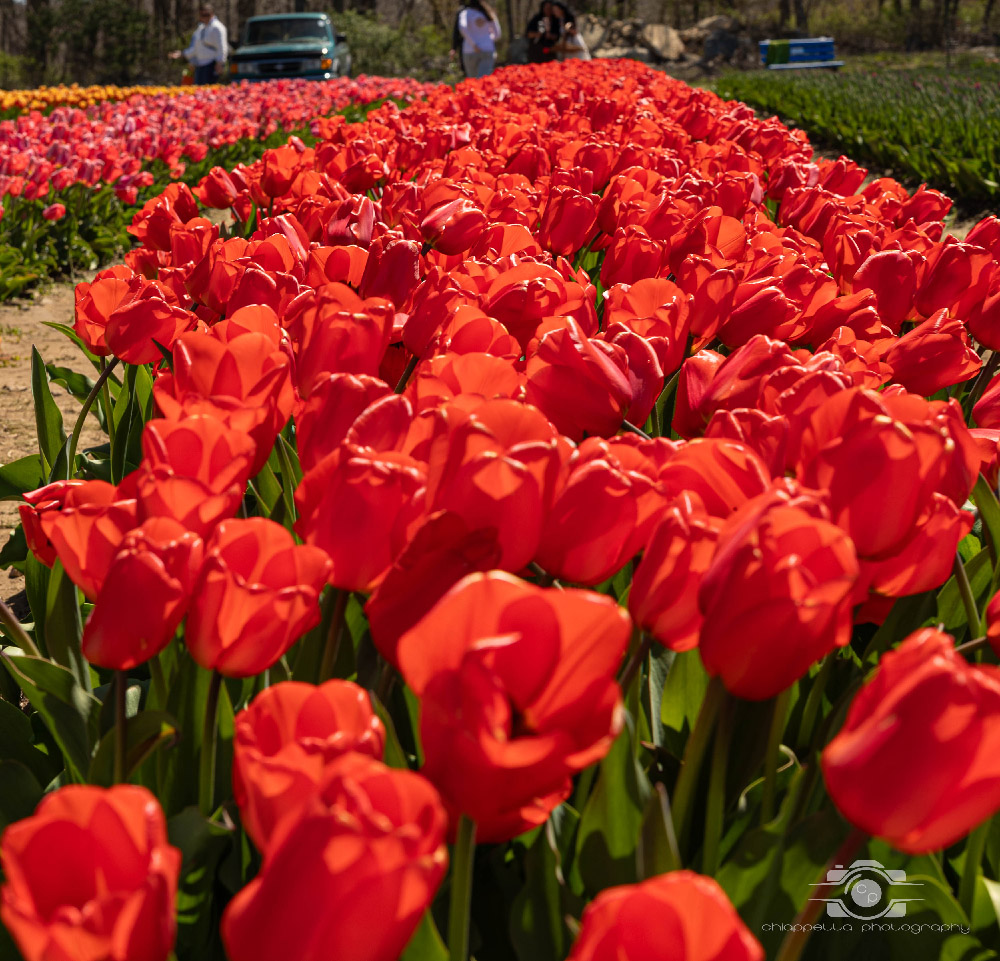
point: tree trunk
(801, 16)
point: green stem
(778, 718)
(338, 600)
(121, 724)
(979, 384)
(13, 629)
(974, 847)
(970, 647)
(715, 810)
(209, 744)
(814, 701)
(287, 479)
(87, 404)
(461, 890)
(795, 941)
(968, 599)
(655, 421)
(109, 415)
(694, 754)
(410, 365)
(157, 681)
(626, 425)
(635, 661)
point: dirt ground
(21, 326)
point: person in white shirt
(480, 30)
(208, 49)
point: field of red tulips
(555, 519)
(71, 178)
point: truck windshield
(282, 31)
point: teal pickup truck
(290, 45)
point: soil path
(22, 325)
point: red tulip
(258, 593)
(454, 226)
(359, 505)
(494, 464)
(87, 532)
(90, 876)
(569, 221)
(216, 189)
(144, 595)
(370, 842)
(934, 355)
(663, 599)
(602, 513)
(284, 741)
(194, 470)
(917, 761)
(901, 508)
(680, 915)
(777, 595)
(518, 693)
(581, 384)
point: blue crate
(797, 54)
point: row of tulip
(544, 518)
(45, 98)
(70, 181)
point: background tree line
(126, 41)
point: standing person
(480, 30)
(571, 45)
(542, 34)
(456, 41)
(208, 49)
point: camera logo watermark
(867, 891)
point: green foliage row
(929, 126)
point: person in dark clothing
(565, 15)
(543, 34)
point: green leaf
(203, 845)
(131, 411)
(64, 625)
(75, 337)
(48, 418)
(267, 487)
(611, 820)
(68, 710)
(394, 754)
(657, 851)
(20, 476)
(79, 385)
(986, 906)
(17, 744)
(426, 943)
(683, 692)
(36, 587)
(989, 511)
(15, 552)
(537, 928)
(950, 609)
(768, 874)
(144, 733)
(21, 792)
